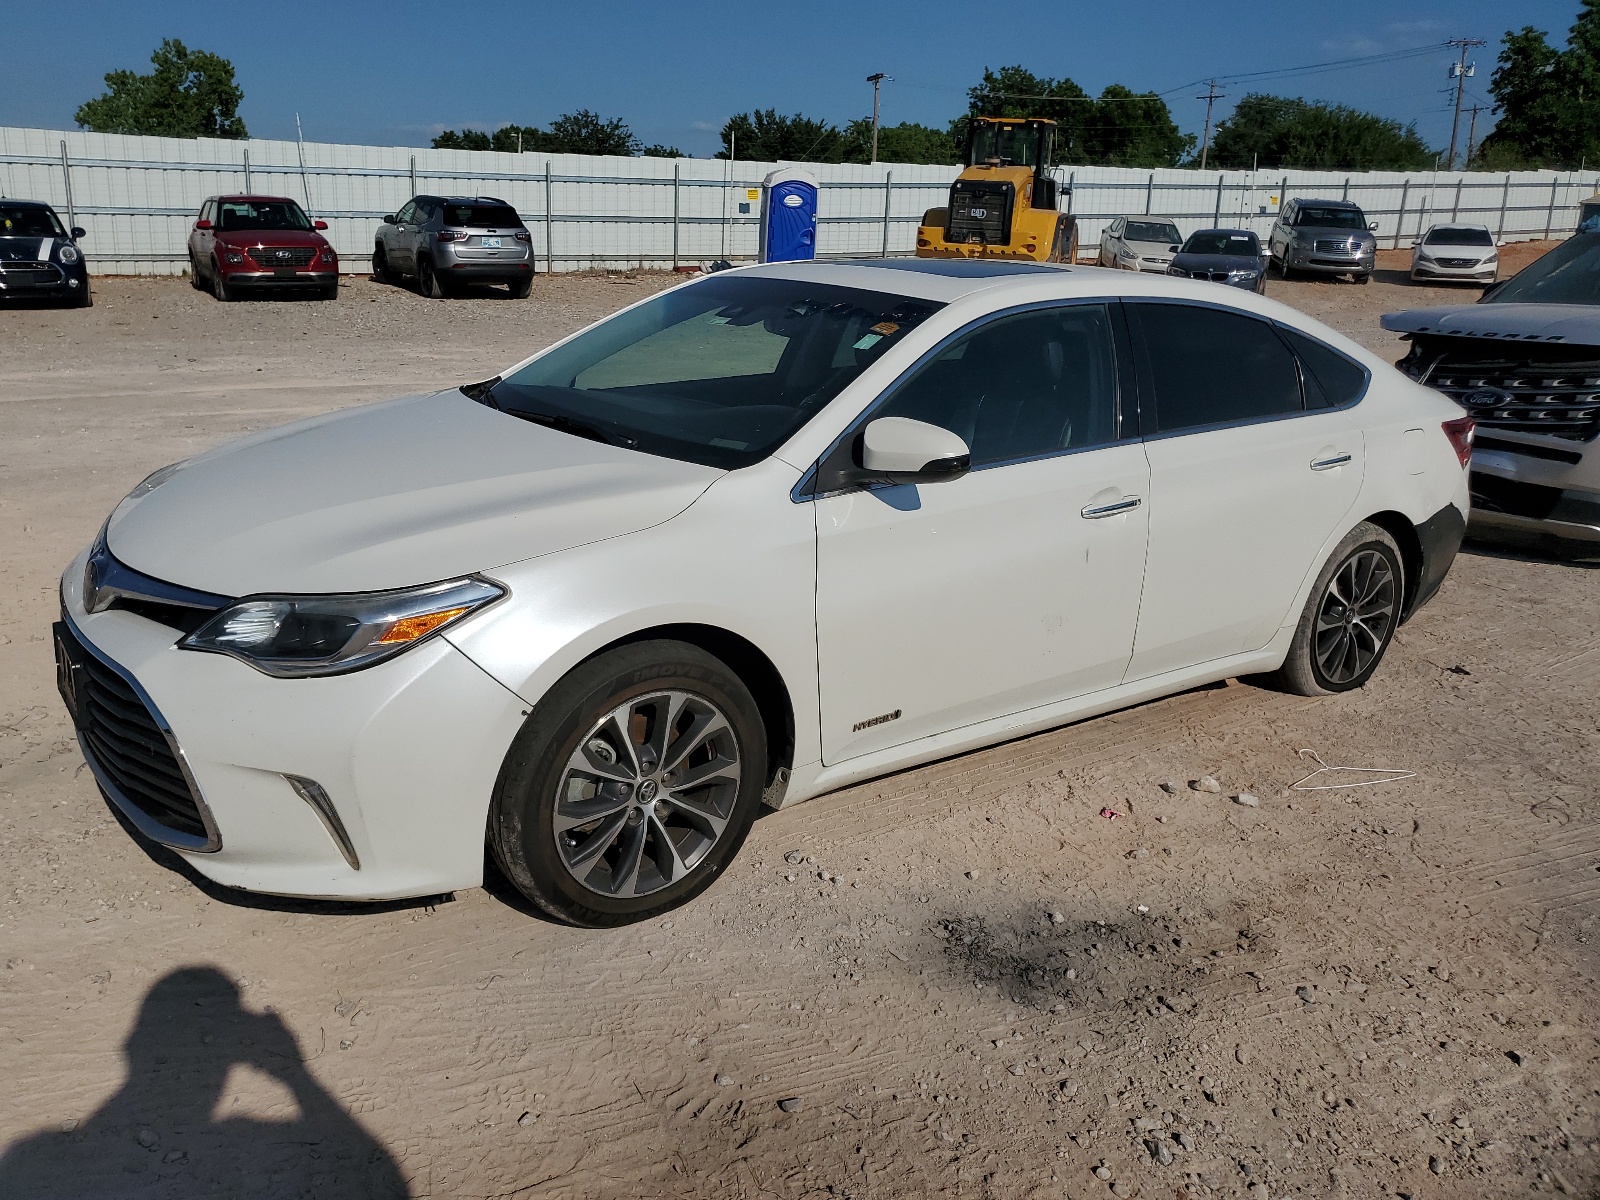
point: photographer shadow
(161, 1134)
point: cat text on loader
(1005, 203)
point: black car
(1230, 256)
(39, 256)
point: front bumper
(1298, 259)
(406, 753)
(44, 279)
(283, 279)
(1425, 270)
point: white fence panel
(137, 197)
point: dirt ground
(962, 980)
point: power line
(1211, 97)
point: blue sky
(397, 72)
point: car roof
(1327, 203)
(253, 197)
(941, 279)
(25, 203)
(1458, 225)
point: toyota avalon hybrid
(753, 538)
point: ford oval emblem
(1490, 397)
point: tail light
(453, 235)
(1459, 431)
(524, 236)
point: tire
(1283, 267)
(219, 286)
(610, 867)
(380, 265)
(1364, 277)
(428, 282)
(194, 273)
(521, 288)
(328, 291)
(85, 298)
(1366, 563)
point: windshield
(1458, 237)
(1017, 145)
(721, 372)
(1569, 274)
(24, 220)
(1330, 218)
(1152, 231)
(262, 214)
(1211, 242)
(494, 216)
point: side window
(1209, 366)
(1331, 379)
(407, 214)
(1021, 387)
(425, 211)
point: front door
(1014, 586)
(1247, 483)
(402, 241)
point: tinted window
(24, 220)
(1331, 379)
(495, 216)
(262, 214)
(1330, 218)
(1020, 387)
(1569, 274)
(1209, 366)
(720, 372)
(1153, 231)
(1458, 237)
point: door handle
(1327, 464)
(1127, 504)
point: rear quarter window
(1214, 366)
(1331, 379)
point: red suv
(241, 243)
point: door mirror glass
(903, 450)
(202, 224)
(390, 219)
(79, 231)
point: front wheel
(219, 285)
(1350, 617)
(631, 786)
(380, 265)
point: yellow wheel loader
(1006, 201)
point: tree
(582, 132)
(1276, 131)
(656, 150)
(1134, 129)
(1547, 100)
(467, 139)
(765, 136)
(190, 94)
(1121, 128)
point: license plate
(68, 673)
(284, 272)
(489, 243)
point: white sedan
(1461, 252)
(1139, 244)
(754, 538)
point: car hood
(1310, 232)
(270, 237)
(1574, 324)
(390, 495)
(1150, 249)
(1217, 262)
(26, 249)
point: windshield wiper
(483, 392)
(576, 428)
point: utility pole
(877, 82)
(1472, 134)
(1211, 97)
(1460, 72)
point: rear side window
(1331, 379)
(494, 216)
(1209, 366)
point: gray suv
(446, 241)
(1327, 237)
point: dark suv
(445, 241)
(1326, 237)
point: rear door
(1014, 586)
(1247, 482)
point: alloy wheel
(647, 793)
(1356, 616)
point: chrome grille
(1456, 262)
(127, 744)
(297, 257)
(29, 274)
(1557, 399)
(1335, 246)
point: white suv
(752, 539)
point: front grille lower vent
(980, 213)
(271, 257)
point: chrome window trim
(1126, 388)
(142, 821)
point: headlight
(329, 253)
(69, 254)
(290, 636)
(234, 256)
(1244, 273)
(1177, 271)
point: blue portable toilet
(788, 216)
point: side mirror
(389, 220)
(79, 231)
(202, 224)
(319, 224)
(1373, 227)
(903, 450)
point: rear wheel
(631, 786)
(521, 288)
(194, 273)
(428, 281)
(1064, 246)
(1349, 618)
